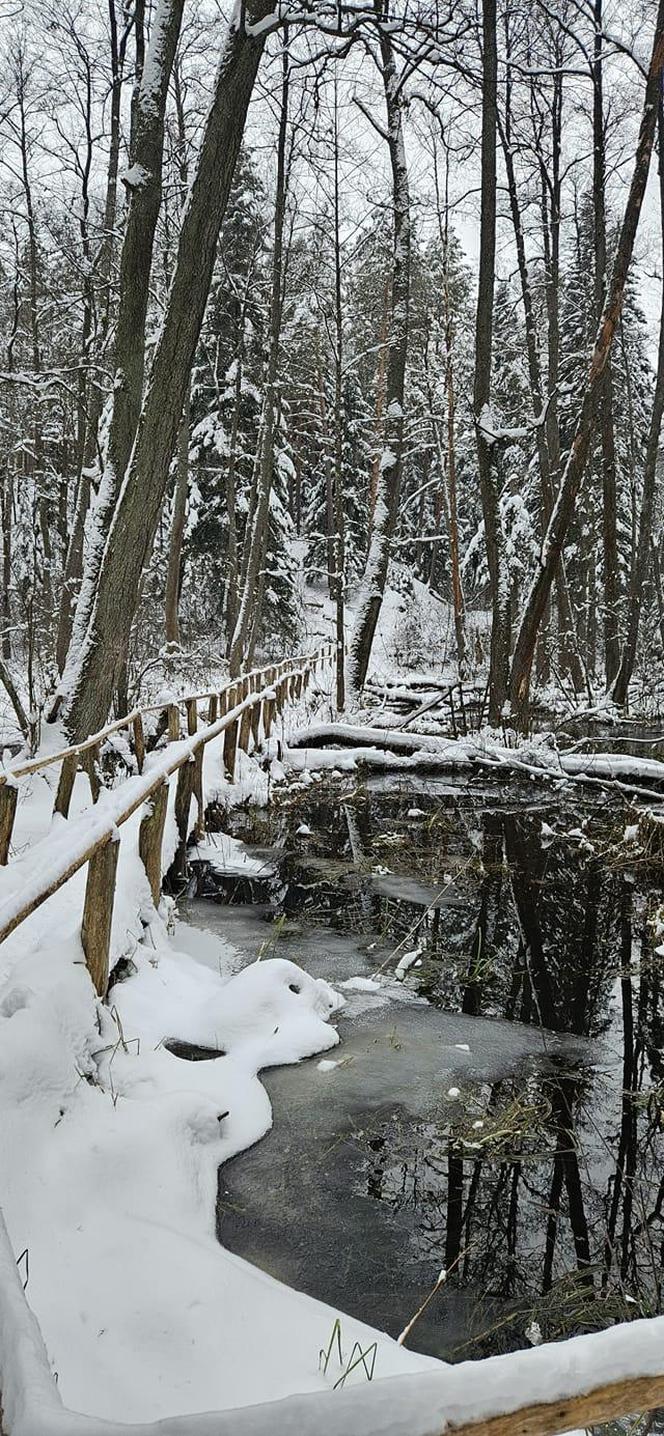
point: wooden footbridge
(550, 1389)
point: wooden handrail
(75, 750)
(89, 835)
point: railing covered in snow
(242, 712)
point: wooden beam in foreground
(605, 1403)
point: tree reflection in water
(546, 1194)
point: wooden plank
(150, 835)
(212, 707)
(8, 798)
(98, 913)
(197, 776)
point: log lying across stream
(347, 746)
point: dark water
(499, 1113)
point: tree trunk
(133, 528)
(143, 184)
(451, 508)
(174, 571)
(73, 569)
(572, 477)
(621, 686)
(605, 395)
(542, 431)
(339, 527)
(389, 478)
(493, 532)
(251, 602)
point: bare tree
(573, 472)
(132, 532)
(386, 507)
(493, 532)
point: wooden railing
(243, 712)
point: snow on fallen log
(345, 746)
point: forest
(378, 306)
(331, 699)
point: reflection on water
(510, 1128)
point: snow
(229, 857)
(143, 1313)
(135, 177)
(408, 960)
(360, 984)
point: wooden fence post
(139, 742)
(8, 797)
(98, 912)
(65, 785)
(183, 794)
(245, 729)
(150, 836)
(230, 749)
(212, 708)
(173, 723)
(256, 721)
(90, 760)
(197, 782)
(269, 705)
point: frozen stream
(497, 1112)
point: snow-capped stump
(304, 831)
